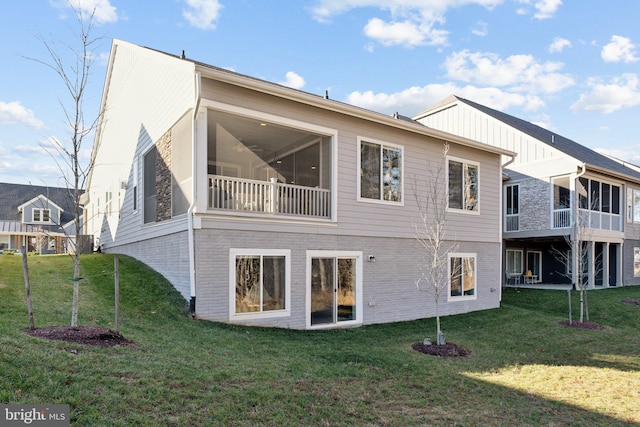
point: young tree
(576, 257)
(74, 73)
(431, 233)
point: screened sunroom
(264, 167)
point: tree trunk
(27, 287)
(76, 288)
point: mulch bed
(88, 335)
(584, 325)
(631, 301)
(444, 350)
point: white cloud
(620, 49)
(202, 14)
(545, 9)
(102, 10)
(293, 80)
(559, 44)
(406, 33)
(620, 92)
(410, 22)
(481, 29)
(522, 73)
(16, 113)
(415, 99)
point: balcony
(268, 197)
(561, 218)
(512, 222)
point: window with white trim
(462, 274)
(259, 282)
(380, 166)
(514, 262)
(463, 184)
(41, 215)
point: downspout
(192, 207)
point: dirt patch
(626, 301)
(443, 350)
(87, 335)
(584, 325)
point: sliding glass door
(334, 289)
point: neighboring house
(37, 218)
(270, 206)
(551, 185)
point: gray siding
(363, 218)
(168, 255)
(389, 285)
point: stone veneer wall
(163, 177)
(534, 205)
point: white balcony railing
(512, 222)
(562, 218)
(268, 197)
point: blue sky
(570, 66)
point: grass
(525, 368)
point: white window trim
(521, 260)
(41, 210)
(135, 195)
(287, 122)
(475, 277)
(233, 253)
(362, 139)
(469, 162)
(335, 254)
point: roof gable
(559, 142)
(40, 201)
(15, 196)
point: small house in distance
(37, 218)
(270, 206)
(555, 189)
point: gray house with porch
(553, 191)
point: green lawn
(525, 368)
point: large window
(561, 193)
(149, 182)
(633, 205)
(463, 185)
(462, 273)
(260, 282)
(380, 171)
(514, 262)
(599, 196)
(512, 207)
(636, 262)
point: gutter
(263, 86)
(192, 207)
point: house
(555, 188)
(270, 206)
(37, 218)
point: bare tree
(74, 74)
(431, 233)
(576, 257)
